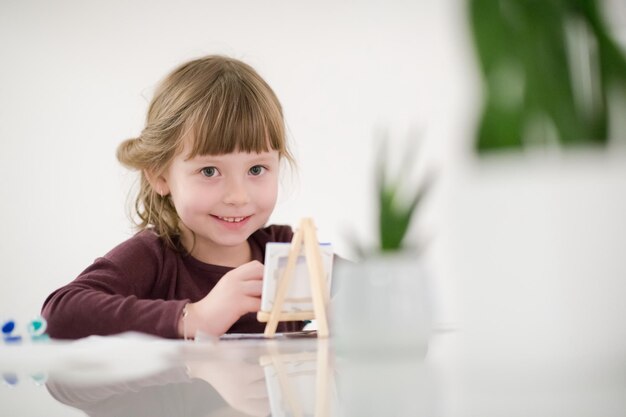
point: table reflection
(168, 393)
(223, 379)
(260, 378)
(460, 375)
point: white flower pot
(381, 304)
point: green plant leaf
(548, 69)
(395, 209)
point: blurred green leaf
(396, 207)
(548, 66)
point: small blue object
(37, 329)
(10, 378)
(12, 338)
(7, 332)
(8, 327)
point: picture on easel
(298, 297)
(297, 288)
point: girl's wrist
(186, 327)
(191, 321)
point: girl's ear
(158, 182)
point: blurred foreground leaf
(549, 67)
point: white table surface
(460, 374)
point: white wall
(76, 78)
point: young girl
(209, 160)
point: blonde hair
(223, 105)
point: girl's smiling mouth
(232, 220)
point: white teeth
(232, 219)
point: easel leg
(317, 277)
(322, 406)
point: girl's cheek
(269, 196)
(195, 200)
(202, 202)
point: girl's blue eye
(209, 171)
(257, 170)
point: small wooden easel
(305, 235)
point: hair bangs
(237, 117)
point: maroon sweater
(142, 285)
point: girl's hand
(241, 383)
(238, 292)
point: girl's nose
(236, 193)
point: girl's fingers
(251, 304)
(252, 288)
(250, 271)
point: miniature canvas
(298, 296)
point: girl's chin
(212, 243)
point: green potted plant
(382, 302)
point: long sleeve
(123, 291)
(143, 285)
